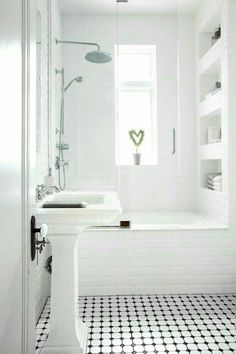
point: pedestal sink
(67, 333)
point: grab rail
(174, 141)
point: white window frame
(136, 85)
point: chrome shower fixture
(77, 79)
(97, 56)
(61, 146)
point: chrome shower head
(98, 57)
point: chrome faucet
(43, 190)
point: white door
(30, 168)
(17, 320)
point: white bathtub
(162, 253)
(153, 220)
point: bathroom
(119, 156)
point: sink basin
(76, 197)
(79, 208)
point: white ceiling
(132, 7)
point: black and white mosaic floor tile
(154, 324)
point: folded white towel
(218, 189)
(215, 188)
(216, 184)
(214, 177)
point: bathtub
(162, 253)
(142, 220)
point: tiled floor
(155, 324)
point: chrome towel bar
(174, 141)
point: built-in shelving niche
(210, 167)
(206, 122)
(210, 73)
(209, 67)
(207, 31)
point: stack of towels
(214, 182)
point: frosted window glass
(134, 66)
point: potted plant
(137, 139)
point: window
(136, 102)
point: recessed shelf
(210, 121)
(212, 20)
(208, 167)
(212, 193)
(211, 105)
(211, 151)
(210, 64)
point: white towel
(218, 189)
(214, 184)
(214, 177)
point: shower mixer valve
(60, 163)
(63, 146)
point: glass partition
(89, 105)
(153, 128)
(130, 121)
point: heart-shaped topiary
(136, 137)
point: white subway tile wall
(158, 262)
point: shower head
(78, 79)
(98, 57)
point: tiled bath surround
(157, 261)
(154, 324)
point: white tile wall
(145, 262)
(90, 116)
(231, 59)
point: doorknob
(42, 230)
(34, 231)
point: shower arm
(75, 42)
(70, 83)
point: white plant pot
(137, 158)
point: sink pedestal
(67, 332)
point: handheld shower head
(78, 79)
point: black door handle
(34, 231)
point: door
(17, 103)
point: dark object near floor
(64, 206)
(48, 265)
